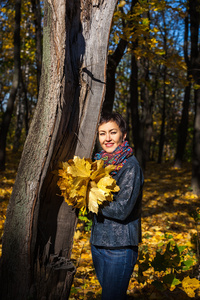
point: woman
(116, 230)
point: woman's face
(110, 136)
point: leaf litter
(168, 224)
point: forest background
(153, 79)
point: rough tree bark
(39, 226)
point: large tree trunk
(195, 63)
(39, 226)
(16, 76)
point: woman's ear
(124, 137)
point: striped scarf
(118, 157)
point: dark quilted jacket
(119, 223)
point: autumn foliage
(168, 257)
(86, 184)
(167, 266)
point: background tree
(194, 10)
(117, 53)
(39, 225)
(164, 100)
(183, 126)
(26, 91)
(139, 116)
(21, 113)
(36, 7)
(145, 30)
(16, 79)
(145, 20)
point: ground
(168, 205)
(167, 267)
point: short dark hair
(116, 117)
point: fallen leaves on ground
(168, 204)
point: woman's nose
(108, 137)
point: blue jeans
(113, 269)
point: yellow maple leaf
(189, 285)
(107, 184)
(98, 170)
(95, 195)
(86, 184)
(81, 167)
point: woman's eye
(113, 132)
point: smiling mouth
(109, 144)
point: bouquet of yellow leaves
(86, 184)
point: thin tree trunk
(134, 101)
(162, 130)
(137, 128)
(153, 100)
(39, 229)
(147, 119)
(16, 77)
(196, 146)
(38, 38)
(26, 105)
(195, 64)
(148, 135)
(113, 62)
(183, 126)
(21, 113)
(19, 124)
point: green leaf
(171, 280)
(187, 264)
(168, 236)
(181, 248)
